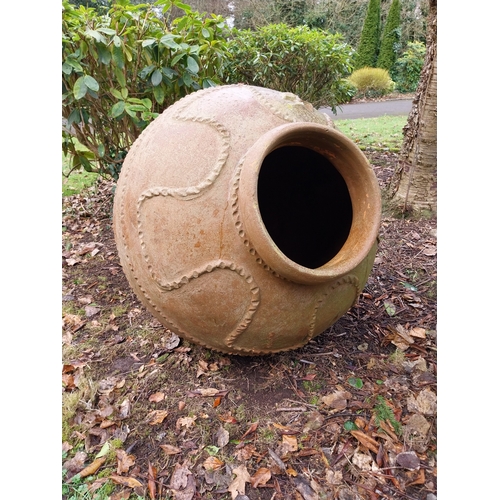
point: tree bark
(414, 183)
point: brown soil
(351, 415)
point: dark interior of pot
(304, 204)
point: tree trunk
(414, 183)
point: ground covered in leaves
(350, 416)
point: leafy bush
(372, 82)
(408, 67)
(121, 68)
(308, 62)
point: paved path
(371, 109)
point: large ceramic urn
(244, 221)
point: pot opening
(304, 204)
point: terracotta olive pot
(244, 221)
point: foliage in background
(123, 67)
(345, 17)
(372, 82)
(390, 46)
(336, 16)
(413, 21)
(291, 12)
(90, 3)
(408, 67)
(367, 50)
(310, 63)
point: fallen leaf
(108, 385)
(182, 483)
(172, 342)
(97, 484)
(217, 401)
(390, 308)
(68, 381)
(222, 437)
(93, 467)
(362, 460)
(66, 446)
(212, 463)
(261, 477)
(429, 250)
(400, 337)
(124, 408)
(169, 449)
(208, 392)
(104, 450)
(91, 311)
(202, 368)
(129, 482)
(283, 429)
(186, 422)
(86, 248)
(418, 425)
(334, 478)
(106, 411)
(72, 320)
(425, 403)
(418, 332)
(75, 464)
(337, 400)
(227, 418)
(157, 397)
(125, 461)
(289, 444)
(156, 417)
(250, 430)
(245, 453)
(152, 481)
(419, 480)
(237, 486)
(366, 440)
(308, 452)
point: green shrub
(369, 41)
(372, 82)
(390, 45)
(310, 63)
(408, 67)
(123, 66)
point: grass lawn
(384, 133)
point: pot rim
(361, 183)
